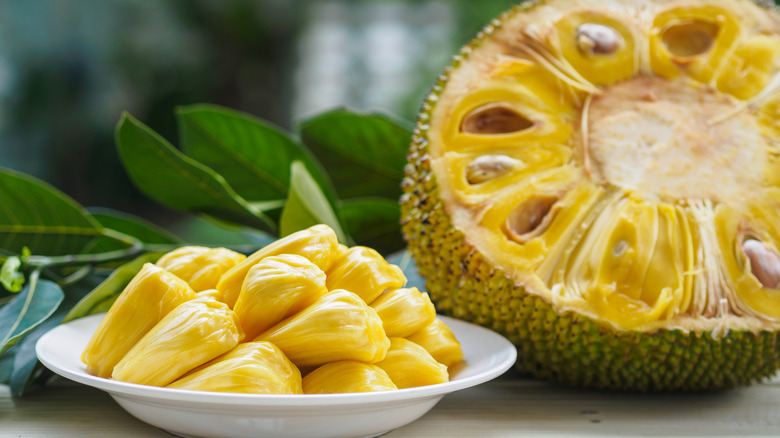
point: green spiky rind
(564, 347)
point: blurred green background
(69, 68)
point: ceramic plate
(212, 414)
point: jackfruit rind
(700, 333)
(192, 334)
(338, 326)
(250, 368)
(317, 243)
(151, 294)
(275, 288)
(199, 266)
(347, 376)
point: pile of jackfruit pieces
(211, 319)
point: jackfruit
(598, 181)
(409, 365)
(151, 294)
(317, 243)
(251, 368)
(347, 376)
(364, 271)
(190, 335)
(404, 311)
(275, 288)
(338, 326)
(199, 266)
(439, 340)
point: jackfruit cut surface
(318, 244)
(600, 182)
(347, 376)
(250, 368)
(338, 326)
(199, 266)
(190, 335)
(151, 294)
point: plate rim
(505, 351)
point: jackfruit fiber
(347, 376)
(147, 299)
(338, 326)
(190, 335)
(599, 181)
(250, 368)
(199, 266)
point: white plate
(212, 414)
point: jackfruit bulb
(347, 376)
(190, 335)
(404, 311)
(250, 368)
(199, 266)
(149, 297)
(338, 326)
(410, 365)
(599, 180)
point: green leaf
(38, 300)
(131, 225)
(307, 206)
(10, 277)
(38, 216)
(253, 156)
(373, 222)
(369, 148)
(171, 178)
(102, 296)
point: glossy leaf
(366, 148)
(251, 154)
(171, 178)
(134, 226)
(40, 217)
(307, 206)
(373, 222)
(33, 305)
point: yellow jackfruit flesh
(317, 243)
(438, 340)
(149, 297)
(347, 376)
(190, 335)
(409, 365)
(404, 311)
(199, 266)
(338, 326)
(598, 181)
(275, 288)
(365, 272)
(251, 368)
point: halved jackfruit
(190, 335)
(251, 368)
(598, 181)
(347, 376)
(147, 299)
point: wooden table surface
(506, 407)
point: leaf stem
(135, 247)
